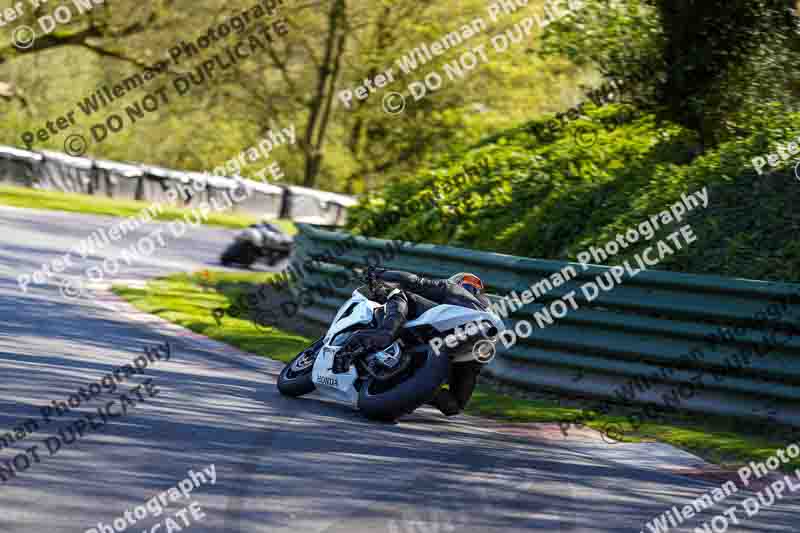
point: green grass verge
(725, 441)
(188, 300)
(82, 203)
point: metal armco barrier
(629, 344)
(62, 172)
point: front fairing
(357, 311)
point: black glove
(380, 292)
(373, 273)
(341, 362)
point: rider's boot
(445, 402)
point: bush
(538, 192)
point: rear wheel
(379, 400)
(295, 378)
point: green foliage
(81, 203)
(189, 300)
(361, 148)
(527, 195)
(721, 440)
(703, 61)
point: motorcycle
(398, 379)
(259, 241)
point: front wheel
(378, 402)
(296, 377)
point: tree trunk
(320, 104)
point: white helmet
(470, 282)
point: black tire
(431, 372)
(291, 383)
(241, 252)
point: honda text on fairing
(259, 241)
(396, 380)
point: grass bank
(82, 203)
(531, 193)
(189, 300)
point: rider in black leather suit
(414, 296)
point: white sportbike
(387, 384)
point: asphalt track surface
(282, 465)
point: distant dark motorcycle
(263, 241)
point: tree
(695, 62)
(331, 46)
(302, 60)
(328, 71)
(99, 29)
(704, 41)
